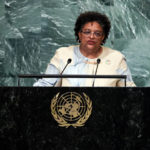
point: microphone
(98, 62)
(68, 62)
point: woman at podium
(89, 57)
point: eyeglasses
(96, 34)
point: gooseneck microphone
(68, 62)
(98, 62)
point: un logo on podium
(71, 109)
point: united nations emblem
(71, 109)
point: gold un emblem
(71, 109)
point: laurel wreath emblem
(64, 123)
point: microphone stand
(98, 62)
(68, 62)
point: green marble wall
(31, 31)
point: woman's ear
(80, 36)
(102, 39)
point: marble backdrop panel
(2, 33)
(21, 39)
(132, 36)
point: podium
(119, 119)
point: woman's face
(91, 36)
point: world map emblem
(71, 109)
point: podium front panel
(114, 118)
